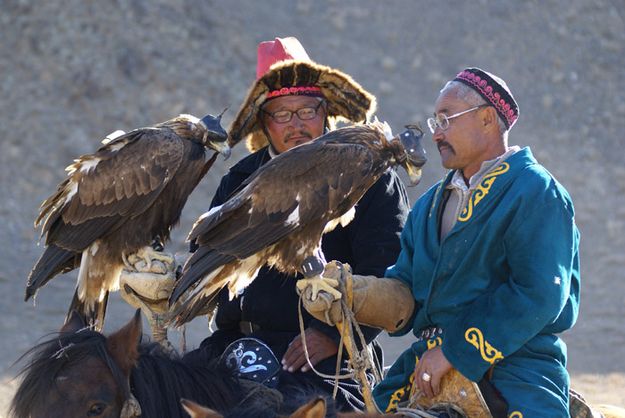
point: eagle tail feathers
(195, 306)
(202, 262)
(53, 261)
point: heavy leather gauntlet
(376, 302)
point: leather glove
(148, 281)
(377, 302)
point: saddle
(462, 398)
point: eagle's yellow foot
(319, 284)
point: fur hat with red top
(284, 68)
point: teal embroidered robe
(501, 284)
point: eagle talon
(165, 258)
(319, 284)
(146, 259)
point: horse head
(80, 373)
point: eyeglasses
(441, 120)
(303, 113)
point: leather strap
(247, 328)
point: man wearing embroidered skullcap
(292, 101)
(490, 260)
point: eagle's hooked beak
(414, 174)
(415, 154)
(223, 148)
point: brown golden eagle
(119, 201)
(281, 211)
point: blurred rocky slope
(72, 71)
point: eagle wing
(102, 191)
(314, 182)
(287, 194)
(119, 181)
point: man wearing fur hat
(293, 101)
(489, 267)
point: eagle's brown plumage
(126, 195)
(281, 212)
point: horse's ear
(73, 322)
(123, 345)
(198, 411)
(313, 409)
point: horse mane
(159, 381)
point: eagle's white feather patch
(88, 165)
(83, 274)
(293, 218)
(112, 136)
(200, 290)
(117, 146)
(93, 249)
(384, 127)
(209, 213)
(202, 217)
(344, 220)
(347, 217)
(191, 118)
(245, 274)
(72, 189)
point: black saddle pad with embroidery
(253, 360)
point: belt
(427, 333)
(247, 327)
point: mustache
(445, 144)
(298, 133)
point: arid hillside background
(73, 71)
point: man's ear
(489, 117)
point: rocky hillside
(72, 71)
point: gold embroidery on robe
(481, 191)
(475, 337)
(434, 342)
(400, 394)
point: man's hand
(433, 364)
(319, 345)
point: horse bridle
(131, 407)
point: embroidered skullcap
(494, 90)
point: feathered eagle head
(208, 131)
(406, 147)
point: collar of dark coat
(492, 184)
(252, 162)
